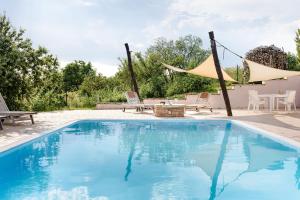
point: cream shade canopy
(259, 72)
(205, 69)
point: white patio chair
(254, 100)
(288, 101)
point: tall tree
(293, 62)
(74, 74)
(154, 79)
(22, 68)
(93, 83)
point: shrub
(114, 95)
(190, 83)
(47, 102)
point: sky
(96, 30)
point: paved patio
(284, 125)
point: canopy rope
(259, 72)
(226, 48)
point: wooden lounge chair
(13, 115)
(2, 118)
(133, 101)
(197, 101)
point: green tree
(186, 52)
(50, 94)
(74, 74)
(236, 74)
(22, 68)
(188, 83)
(93, 83)
(154, 79)
(293, 62)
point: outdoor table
(271, 98)
(168, 110)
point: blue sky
(96, 30)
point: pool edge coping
(9, 147)
(273, 136)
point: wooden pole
(134, 85)
(219, 72)
(218, 168)
(1, 126)
(237, 73)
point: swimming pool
(153, 159)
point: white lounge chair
(288, 101)
(254, 100)
(198, 101)
(4, 111)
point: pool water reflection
(178, 159)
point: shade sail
(205, 69)
(259, 72)
(271, 157)
(174, 68)
(207, 158)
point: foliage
(76, 100)
(190, 83)
(186, 52)
(155, 80)
(92, 83)
(113, 95)
(48, 101)
(23, 69)
(293, 62)
(30, 77)
(236, 74)
(74, 74)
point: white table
(272, 98)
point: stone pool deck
(281, 124)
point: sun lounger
(1, 122)
(133, 101)
(13, 115)
(197, 101)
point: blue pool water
(162, 159)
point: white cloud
(106, 69)
(92, 2)
(96, 30)
(241, 24)
(86, 2)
